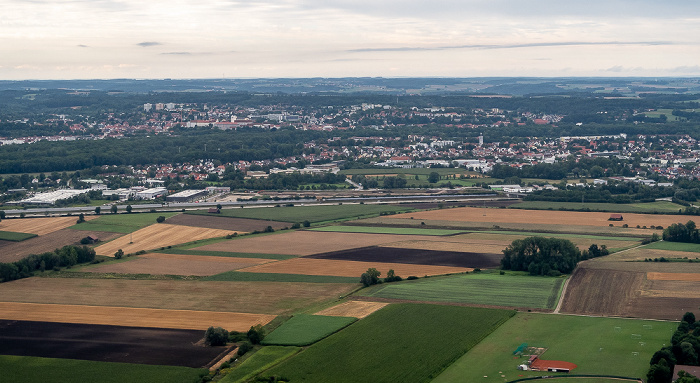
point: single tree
(256, 334)
(97, 210)
(81, 218)
(215, 336)
(113, 209)
(119, 254)
(128, 209)
(160, 219)
(433, 177)
(306, 223)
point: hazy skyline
(87, 39)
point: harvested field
(176, 264)
(13, 251)
(414, 257)
(248, 297)
(356, 309)
(466, 246)
(655, 276)
(471, 214)
(306, 242)
(308, 266)
(158, 235)
(105, 343)
(39, 226)
(129, 316)
(225, 223)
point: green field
(224, 254)
(388, 230)
(121, 223)
(31, 369)
(304, 329)
(308, 213)
(597, 345)
(239, 276)
(15, 236)
(399, 343)
(263, 359)
(476, 288)
(662, 207)
(674, 246)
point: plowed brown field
(40, 226)
(176, 264)
(128, 316)
(356, 309)
(602, 292)
(338, 268)
(250, 297)
(156, 236)
(306, 242)
(14, 251)
(569, 218)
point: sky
(103, 39)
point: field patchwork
(175, 264)
(308, 213)
(120, 223)
(263, 359)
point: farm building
(615, 217)
(692, 370)
(186, 196)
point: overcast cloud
(310, 38)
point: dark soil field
(414, 257)
(139, 345)
(225, 223)
(14, 251)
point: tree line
(684, 350)
(66, 256)
(547, 256)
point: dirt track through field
(307, 266)
(158, 235)
(176, 264)
(472, 214)
(39, 226)
(356, 309)
(129, 316)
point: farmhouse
(615, 217)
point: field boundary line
(563, 292)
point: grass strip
(305, 329)
(239, 276)
(15, 236)
(388, 230)
(318, 213)
(674, 246)
(262, 360)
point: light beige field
(158, 235)
(356, 309)
(569, 218)
(308, 266)
(175, 264)
(247, 297)
(128, 316)
(474, 246)
(40, 226)
(656, 276)
(307, 242)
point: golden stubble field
(175, 264)
(356, 309)
(39, 226)
(247, 297)
(129, 316)
(547, 217)
(340, 268)
(158, 235)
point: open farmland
(249, 297)
(13, 251)
(263, 359)
(414, 256)
(304, 329)
(129, 316)
(522, 216)
(105, 343)
(156, 236)
(355, 309)
(175, 264)
(624, 289)
(33, 369)
(479, 288)
(306, 242)
(308, 213)
(676, 246)
(400, 343)
(387, 230)
(646, 207)
(39, 226)
(308, 266)
(120, 223)
(213, 221)
(595, 345)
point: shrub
(412, 277)
(160, 219)
(625, 225)
(244, 347)
(119, 254)
(296, 225)
(256, 334)
(85, 241)
(215, 336)
(306, 223)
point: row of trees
(684, 350)
(546, 256)
(679, 232)
(64, 257)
